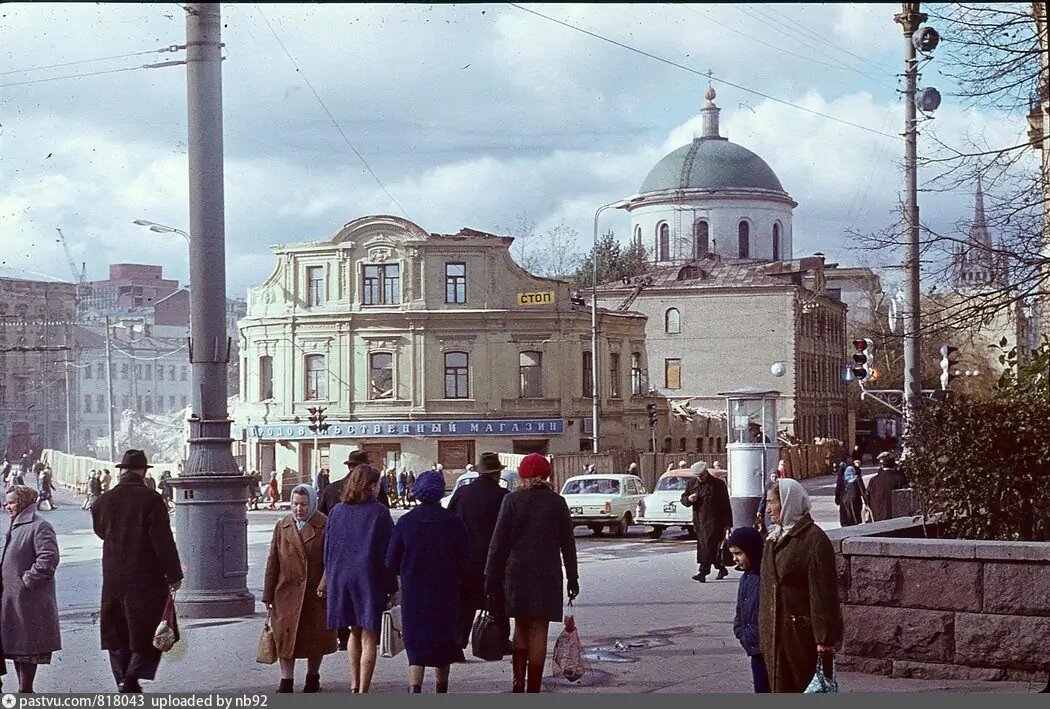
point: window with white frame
(316, 377)
(530, 371)
(315, 291)
(381, 375)
(381, 284)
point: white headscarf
(794, 503)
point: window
(184, 374)
(457, 381)
(531, 374)
(160, 404)
(87, 436)
(265, 378)
(702, 232)
(138, 404)
(381, 285)
(638, 234)
(88, 373)
(663, 242)
(636, 373)
(743, 237)
(672, 321)
(681, 445)
(316, 381)
(99, 404)
(171, 374)
(185, 402)
(315, 286)
(455, 283)
(123, 371)
(776, 242)
(588, 375)
(699, 445)
(149, 371)
(667, 445)
(87, 403)
(171, 403)
(149, 404)
(138, 372)
(100, 371)
(614, 375)
(381, 368)
(672, 374)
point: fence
(72, 471)
(811, 459)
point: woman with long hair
(357, 582)
(523, 575)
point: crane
(80, 277)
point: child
(745, 543)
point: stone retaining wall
(942, 608)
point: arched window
(663, 242)
(638, 234)
(702, 234)
(672, 321)
(776, 241)
(743, 232)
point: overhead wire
(86, 61)
(78, 76)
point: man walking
(140, 568)
(881, 487)
(712, 519)
(478, 506)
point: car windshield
(592, 486)
(676, 482)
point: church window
(776, 242)
(702, 232)
(744, 239)
(638, 234)
(663, 242)
(672, 321)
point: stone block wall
(940, 608)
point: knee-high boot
(534, 680)
(520, 659)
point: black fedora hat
(134, 460)
(356, 458)
(489, 463)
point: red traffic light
(860, 345)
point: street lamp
(620, 204)
(162, 229)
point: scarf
(311, 494)
(850, 474)
(794, 504)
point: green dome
(711, 163)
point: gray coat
(28, 608)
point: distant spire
(709, 115)
(979, 235)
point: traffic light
(651, 408)
(317, 420)
(948, 362)
(863, 366)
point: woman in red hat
(523, 575)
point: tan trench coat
(294, 571)
(799, 606)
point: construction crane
(80, 277)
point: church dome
(711, 163)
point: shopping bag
(267, 652)
(391, 642)
(821, 682)
(726, 556)
(167, 633)
(568, 651)
(866, 515)
(489, 637)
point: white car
(604, 500)
(508, 479)
(663, 508)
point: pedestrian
(140, 569)
(28, 608)
(409, 497)
(323, 479)
(590, 470)
(18, 477)
(391, 479)
(478, 505)
(107, 479)
(880, 489)
(633, 469)
(523, 573)
(799, 614)
(708, 496)
(430, 553)
(763, 522)
(850, 495)
(745, 543)
(358, 584)
(273, 491)
(151, 482)
(94, 490)
(293, 592)
(333, 492)
(384, 490)
(402, 484)
(47, 490)
(167, 492)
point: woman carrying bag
(294, 594)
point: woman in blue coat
(430, 551)
(357, 583)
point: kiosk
(752, 448)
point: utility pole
(910, 18)
(109, 392)
(210, 513)
(69, 410)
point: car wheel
(623, 525)
(597, 529)
(656, 532)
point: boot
(415, 689)
(519, 658)
(441, 687)
(286, 686)
(313, 684)
(534, 678)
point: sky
(469, 115)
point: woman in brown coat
(799, 616)
(293, 592)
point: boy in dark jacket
(745, 543)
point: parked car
(508, 478)
(663, 507)
(604, 500)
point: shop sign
(398, 429)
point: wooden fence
(72, 471)
(811, 459)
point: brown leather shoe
(520, 661)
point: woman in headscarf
(799, 613)
(850, 494)
(430, 552)
(523, 577)
(28, 608)
(293, 594)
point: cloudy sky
(470, 115)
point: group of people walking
(338, 562)
(872, 502)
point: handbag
(167, 633)
(489, 637)
(726, 556)
(866, 515)
(267, 652)
(391, 641)
(821, 683)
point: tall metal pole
(594, 333)
(109, 392)
(69, 411)
(910, 18)
(210, 513)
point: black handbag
(725, 555)
(489, 637)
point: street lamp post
(162, 229)
(595, 394)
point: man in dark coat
(478, 506)
(881, 487)
(140, 568)
(712, 519)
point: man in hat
(140, 568)
(708, 496)
(478, 506)
(881, 487)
